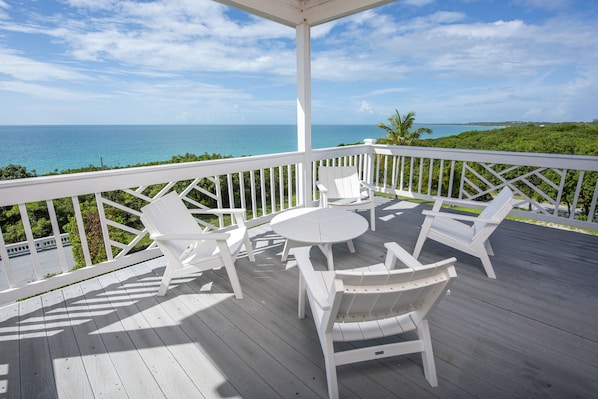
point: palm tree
(398, 131)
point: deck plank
(36, 366)
(196, 364)
(69, 369)
(136, 378)
(10, 378)
(248, 343)
(102, 376)
(166, 370)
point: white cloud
(339, 66)
(414, 54)
(418, 3)
(169, 35)
(167, 43)
(23, 68)
(183, 92)
(444, 17)
(92, 4)
(47, 92)
(543, 4)
(366, 107)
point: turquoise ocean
(56, 148)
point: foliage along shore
(549, 138)
(562, 138)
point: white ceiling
(297, 12)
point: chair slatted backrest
(169, 215)
(341, 181)
(497, 210)
(375, 295)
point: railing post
(368, 164)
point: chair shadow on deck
(194, 340)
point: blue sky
(199, 62)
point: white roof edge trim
(275, 11)
(312, 13)
(337, 9)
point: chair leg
(229, 265)
(489, 249)
(373, 219)
(328, 347)
(166, 278)
(420, 243)
(234, 279)
(429, 365)
(301, 298)
(423, 234)
(486, 263)
(248, 248)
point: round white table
(318, 226)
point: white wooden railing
(561, 189)
(110, 201)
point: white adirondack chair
(469, 234)
(341, 187)
(187, 248)
(374, 302)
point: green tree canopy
(11, 171)
(556, 138)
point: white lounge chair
(187, 248)
(469, 234)
(341, 187)
(374, 302)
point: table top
(319, 225)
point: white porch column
(304, 112)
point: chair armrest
(367, 185)
(238, 214)
(220, 211)
(312, 282)
(190, 237)
(394, 252)
(323, 195)
(321, 187)
(460, 202)
(456, 216)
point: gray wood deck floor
(531, 333)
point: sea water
(47, 149)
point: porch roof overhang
(310, 12)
